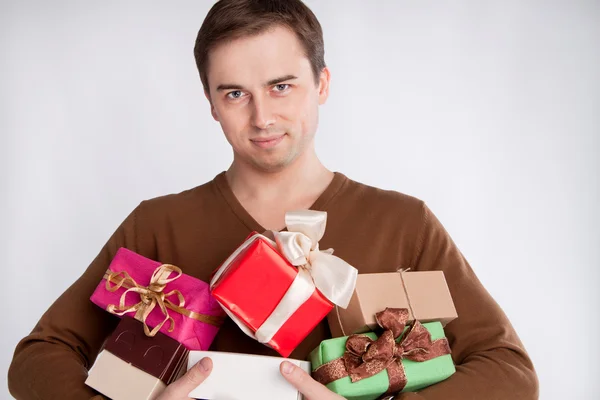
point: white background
(487, 110)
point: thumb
(181, 388)
(311, 389)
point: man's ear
(212, 108)
(324, 81)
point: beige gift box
(424, 293)
(120, 380)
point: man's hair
(228, 20)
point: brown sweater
(372, 229)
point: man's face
(263, 93)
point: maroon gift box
(132, 365)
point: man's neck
(299, 183)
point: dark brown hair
(232, 19)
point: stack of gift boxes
(387, 328)
(165, 315)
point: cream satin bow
(334, 277)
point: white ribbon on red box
(317, 270)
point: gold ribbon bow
(365, 357)
(150, 296)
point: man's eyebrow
(229, 86)
(233, 86)
(281, 79)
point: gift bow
(150, 296)
(321, 270)
(365, 357)
(334, 277)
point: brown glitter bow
(151, 296)
(365, 357)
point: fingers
(181, 388)
(311, 389)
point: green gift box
(365, 366)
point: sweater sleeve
(490, 359)
(52, 362)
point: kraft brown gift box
(424, 293)
(134, 366)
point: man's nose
(263, 116)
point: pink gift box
(195, 322)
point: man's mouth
(267, 142)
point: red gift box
(253, 285)
(278, 291)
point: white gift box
(244, 377)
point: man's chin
(271, 166)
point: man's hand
(181, 388)
(311, 389)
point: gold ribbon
(151, 296)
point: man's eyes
(236, 94)
(280, 88)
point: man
(262, 66)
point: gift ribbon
(406, 295)
(365, 357)
(151, 296)
(317, 269)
